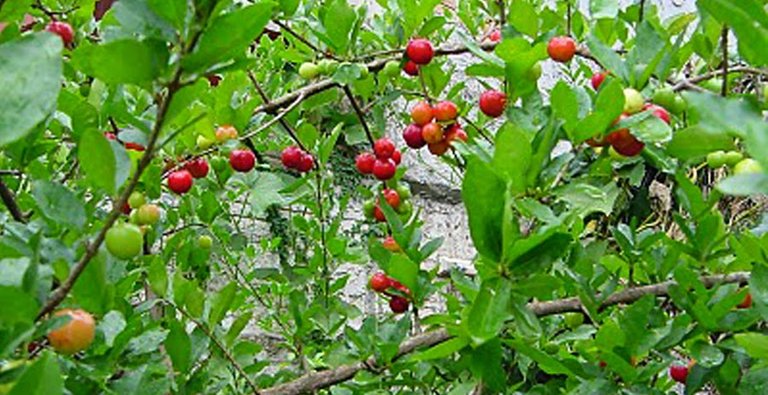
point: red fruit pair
(63, 30)
(242, 160)
(381, 283)
(623, 141)
(180, 181)
(419, 51)
(561, 49)
(295, 158)
(197, 167)
(385, 160)
(492, 103)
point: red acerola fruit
(422, 113)
(598, 78)
(439, 148)
(625, 143)
(392, 197)
(432, 133)
(180, 181)
(492, 103)
(411, 68)
(420, 51)
(383, 148)
(747, 302)
(306, 163)
(364, 162)
(390, 244)
(495, 36)
(384, 169)
(291, 156)
(445, 111)
(455, 132)
(561, 49)
(380, 282)
(198, 167)
(63, 30)
(398, 304)
(396, 157)
(242, 160)
(679, 373)
(378, 214)
(658, 112)
(413, 137)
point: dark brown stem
(302, 39)
(326, 378)
(280, 116)
(10, 202)
(642, 11)
(359, 113)
(502, 13)
(568, 13)
(724, 45)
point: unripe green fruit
(124, 241)
(136, 199)
(403, 191)
(363, 72)
(405, 209)
(205, 242)
(308, 70)
(573, 320)
(714, 85)
(134, 217)
(716, 159)
(204, 142)
(534, 72)
(391, 69)
(678, 106)
(551, 348)
(328, 66)
(633, 101)
(368, 208)
(664, 97)
(148, 214)
(733, 157)
(748, 166)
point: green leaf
(58, 204)
(173, 11)
(158, 277)
(178, 346)
(512, 156)
(545, 362)
(604, 8)
(147, 342)
(755, 344)
(565, 105)
(91, 289)
(289, 7)
(228, 36)
(694, 142)
(111, 325)
(480, 192)
(43, 377)
(97, 160)
(339, 19)
(221, 303)
(585, 199)
(489, 311)
(748, 20)
(30, 76)
(149, 60)
(17, 306)
(647, 128)
(707, 355)
(607, 57)
(402, 269)
(143, 380)
(745, 184)
(442, 350)
(608, 106)
(523, 16)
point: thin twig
(324, 379)
(14, 173)
(10, 202)
(724, 45)
(283, 123)
(359, 113)
(303, 40)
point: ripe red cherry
(396, 157)
(492, 103)
(180, 181)
(390, 244)
(392, 197)
(420, 51)
(439, 148)
(291, 156)
(455, 132)
(379, 282)
(432, 133)
(307, 163)
(625, 143)
(445, 111)
(384, 169)
(63, 30)
(598, 78)
(364, 162)
(679, 373)
(378, 214)
(242, 160)
(747, 302)
(422, 113)
(561, 49)
(412, 136)
(411, 68)
(658, 112)
(383, 148)
(398, 304)
(495, 35)
(197, 167)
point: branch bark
(323, 379)
(10, 202)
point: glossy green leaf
(149, 60)
(480, 191)
(42, 377)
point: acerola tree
(618, 214)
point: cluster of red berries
(297, 159)
(397, 198)
(382, 163)
(127, 144)
(384, 284)
(435, 127)
(622, 140)
(418, 52)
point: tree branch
(323, 379)
(359, 113)
(724, 44)
(10, 202)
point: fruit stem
(724, 45)
(359, 113)
(278, 118)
